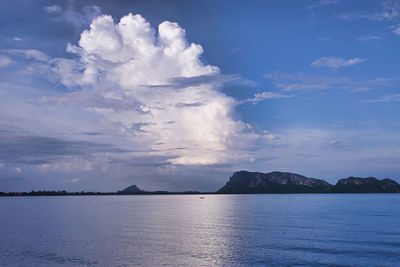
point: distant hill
(130, 190)
(244, 182)
(366, 185)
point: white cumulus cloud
(152, 86)
(336, 62)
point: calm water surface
(227, 230)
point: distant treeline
(82, 193)
(244, 182)
(53, 193)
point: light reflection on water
(185, 230)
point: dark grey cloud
(183, 82)
(36, 150)
(142, 161)
(184, 105)
(33, 161)
(92, 100)
(92, 133)
(306, 156)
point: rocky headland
(244, 182)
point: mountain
(131, 190)
(365, 185)
(244, 182)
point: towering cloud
(153, 88)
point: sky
(178, 95)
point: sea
(201, 230)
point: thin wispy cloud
(368, 122)
(336, 62)
(263, 96)
(390, 10)
(339, 144)
(5, 61)
(368, 38)
(75, 180)
(52, 9)
(299, 82)
(396, 29)
(361, 89)
(324, 38)
(236, 49)
(73, 16)
(322, 3)
(386, 98)
(28, 54)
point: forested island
(244, 182)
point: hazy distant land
(245, 182)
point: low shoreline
(25, 194)
(245, 182)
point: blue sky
(177, 95)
